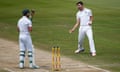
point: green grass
(1, 70)
(53, 20)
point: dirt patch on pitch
(9, 59)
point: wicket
(56, 65)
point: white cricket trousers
(25, 42)
(26, 45)
(86, 30)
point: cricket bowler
(24, 27)
(84, 19)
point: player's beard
(81, 9)
(28, 16)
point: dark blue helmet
(25, 11)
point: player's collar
(25, 17)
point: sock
(30, 55)
(22, 56)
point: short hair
(80, 2)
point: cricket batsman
(24, 27)
(84, 19)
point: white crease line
(9, 70)
(80, 66)
(108, 65)
(98, 68)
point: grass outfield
(1, 70)
(53, 20)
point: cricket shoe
(93, 54)
(34, 67)
(21, 65)
(79, 51)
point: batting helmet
(25, 11)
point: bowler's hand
(32, 12)
(70, 31)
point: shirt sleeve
(77, 16)
(18, 23)
(90, 13)
(30, 24)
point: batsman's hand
(90, 23)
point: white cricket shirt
(23, 25)
(84, 16)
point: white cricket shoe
(21, 65)
(93, 54)
(34, 67)
(79, 50)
